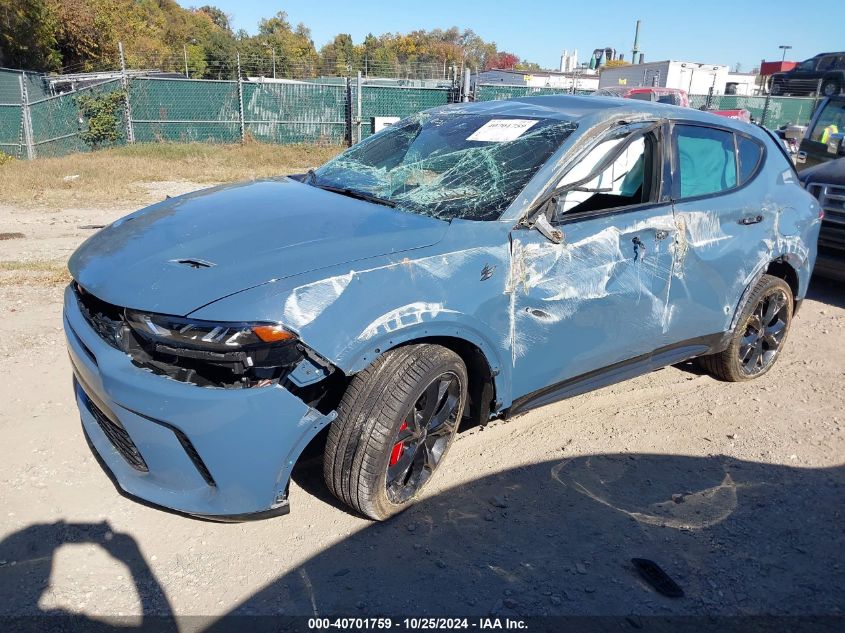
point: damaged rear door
(600, 296)
(727, 220)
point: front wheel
(760, 333)
(395, 424)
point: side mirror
(836, 144)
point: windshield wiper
(354, 193)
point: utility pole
(185, 53)
(274, 61)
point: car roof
(590, 110)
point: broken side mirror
(540, 219)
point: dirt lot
(537, 515)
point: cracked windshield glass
(447, 165)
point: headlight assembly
(207, 352)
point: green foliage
(5, 158)
(82, 35)
(102, 114)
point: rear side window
(706, 160)
(749, 152)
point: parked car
(469, 262)
(827, 183)
(821, 161)
(673, 96)
(829, 68)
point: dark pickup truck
(824, 73)
(821, 164)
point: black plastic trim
(618, 372)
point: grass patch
(38, 272)
(114, 176)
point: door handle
(751, 219)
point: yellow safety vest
(830, 129)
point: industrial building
(693, 77)
(577, 79)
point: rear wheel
(395, 424)
(759, 335)
(831, 87)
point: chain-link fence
(327, 111)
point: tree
(502, 60)
(28, 34)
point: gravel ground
(735, 490)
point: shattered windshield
(447, 165)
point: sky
(715, 31)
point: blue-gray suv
(470, 262)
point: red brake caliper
(399, 447)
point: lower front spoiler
(280, 510)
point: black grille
(832, 200)
(117, 435)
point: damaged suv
(470, 262)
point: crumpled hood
(249, 233)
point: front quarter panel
(351, 315)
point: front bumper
(225, 454)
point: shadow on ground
(554, 538)
(28, 557)
(827, 291)
(741, 538)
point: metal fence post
(765, 109)
(241, 101)
(359, 88)
(26, 119)
(124, 81)
(348, 108)
(465, 88)
(816, 97)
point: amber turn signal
(272, 333)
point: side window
(827, 63)
(705, 160)
(749, 153)
(840, 62)
(830, 121)
(627, 180)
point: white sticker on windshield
(502, 130)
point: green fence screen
(185, 110)
(400, 102)
(11, 130)
(188, 110)
(295, 112)
(495, 93)
(782, 110)
(56, 122)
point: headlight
(208, 335)
(211, 353)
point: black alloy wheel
(423, 437)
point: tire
(380, 450)
(830, 88)
(776, 89)
(759, 336)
